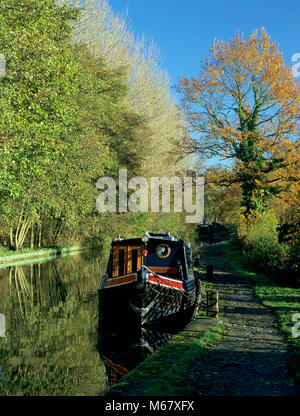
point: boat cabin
(159, 253)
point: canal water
(55, 343)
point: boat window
(126, 259)
(134, 257)
(163, 251)
(121, 262)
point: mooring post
(196, 261)
(2, 325)
(212, 304)
(209, 271)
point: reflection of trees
(40, 287)
(46, 285)
(30, 290)
(21, 287)
(53, 326)
(57, 288)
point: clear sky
(184, 29)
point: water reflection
(54, 334)
(26, 285)
(51, 312)
(123, 346)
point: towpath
(251, 359)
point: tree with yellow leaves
(244, 106)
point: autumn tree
(222, 203)
(243, 106)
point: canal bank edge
(163, 373)
(19, 258)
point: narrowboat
(150, 280)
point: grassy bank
(164, 372)
(281, 297)
(23, 257)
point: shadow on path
(251, 359)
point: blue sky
(184, 29)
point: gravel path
(251, 360)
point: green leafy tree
(63, 121)
(38, 116)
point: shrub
(259, 235)
(294, 254)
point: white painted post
(2, 325)
(2, 65)
(212, 306)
